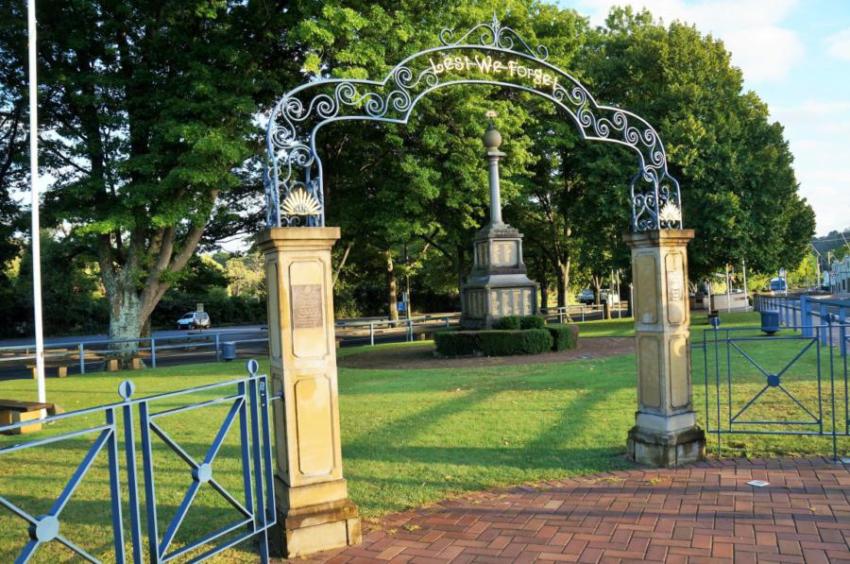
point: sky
(796, 56)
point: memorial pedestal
(665, 432)
(312, 498)
(498, 285)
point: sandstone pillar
(665, 431)
(312, 498)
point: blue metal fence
(738, 379)
(804, 312)
(247, 402)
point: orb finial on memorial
(492, 137)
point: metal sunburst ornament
(300, 202)
(670, 213)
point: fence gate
(244, 433)
(793, 383)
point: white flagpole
(34, 181)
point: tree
(13, 132)
(246, 275)
(734, 166)
(148, 107)
(388, 187)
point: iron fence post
(717, 384)
(153, 352)
(217, 347)
(371, 333)
(824, 317)
(842, 320)
(831, 351)
(132, 477)
(806, 316)
(260, 517)
(115, 487)
(150, 490)
(82, 352)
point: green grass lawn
(412, 437)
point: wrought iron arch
(293, 175)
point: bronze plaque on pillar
(307, 306)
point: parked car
(194, 320)
(586, 296)
(778, 285)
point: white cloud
(764, 49)
(817, 130)
(838, 44)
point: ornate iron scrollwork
(294, 169)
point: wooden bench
(13, 411)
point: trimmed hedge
(515, 322)
(563, 336)
(505, 343)
(532, 322)
(508, 323)
(456, 343)
(494, 342)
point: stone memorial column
(665, 431)
(312, 498)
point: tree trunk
(597, 287)
(544, 290)
(125, 320)
(559, 280)
(562, 273)
(461, 267)
(392, 287)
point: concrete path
(701, 513)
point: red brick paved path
(701, 513)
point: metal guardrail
(377, 327)
(248, 400)
(86, 353)
(579, 312)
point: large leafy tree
(421, 186)
(148, 107)
(734, 166)
(13, 127)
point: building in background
(839, 276)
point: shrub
(504, 343)
(508, 323)
(563, 336)
(456, 343)
(532, 322)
